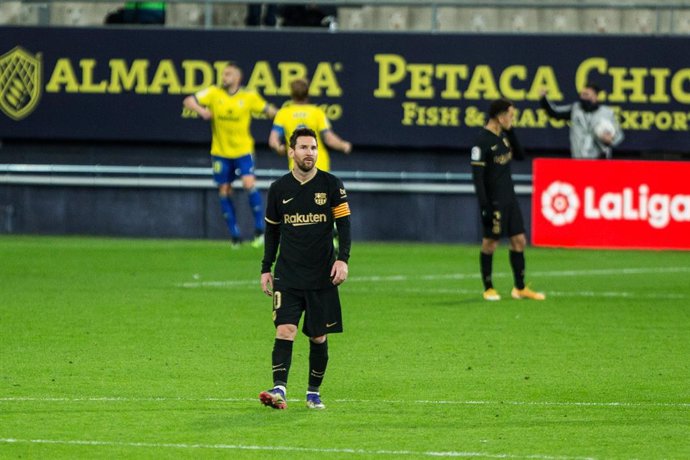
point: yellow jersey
(232, 116)
(293, 116)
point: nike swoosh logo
(331, 324)
(494, 147)
(288, 200)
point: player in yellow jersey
(301, 114)
(229, 108)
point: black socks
(486, 261)
(517, 263)
(318, 360)
(282, 358)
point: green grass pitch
(114, 348)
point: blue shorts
(225, 170)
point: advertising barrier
(389, 90)
(611, 204)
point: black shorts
(506, 221)
(321, 309)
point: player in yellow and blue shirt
(299, 113)
(229, 108)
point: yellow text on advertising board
(519, 83)
(144, 76)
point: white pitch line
(359, 401)
(610, 294)
(458, 276)
(286, 449)
(614, 271)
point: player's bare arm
(275, 143)
(267, 284)
(270, 111)
(191, 103)
(336, 142)
(339, 272)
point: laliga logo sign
(560, 204)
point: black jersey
(305, 213)
(491, 157)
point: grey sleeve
(559, 112)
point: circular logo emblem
(560, 203)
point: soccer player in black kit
(301, 209)
(491, 155)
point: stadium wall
(169, 213)
(176, 212)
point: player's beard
(228, 86)
(304, 167)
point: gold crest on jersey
(20, 83)
(320, 198)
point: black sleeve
(518, 152)
(272, 233)
(478, 162)
(341, 215)
(344, 238)
(272, 212)
(271, 242)
(558, 112)
(480, 189)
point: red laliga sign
(611, 204)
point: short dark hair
(299, 89)
(593, 86)
(499, 106)
(300, 132)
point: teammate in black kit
(491, 156)
(301, 209)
